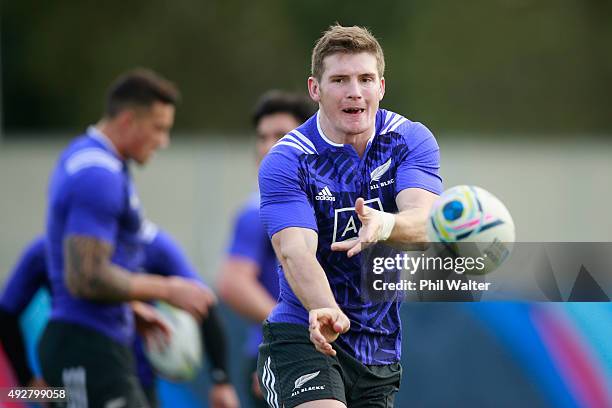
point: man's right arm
(90, 274)
(289, 219)
(296, 249)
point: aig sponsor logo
(346, 222)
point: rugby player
(352, 175)
(93, 246)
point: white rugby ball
(181, 358)
(472, 222)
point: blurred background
(517, 93)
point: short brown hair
(351, 40)
(139, 88)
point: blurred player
(93, 248)
(351, 176)
(164, 257)
(248, 281)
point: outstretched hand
(372, 230)
(326, 324)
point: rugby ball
(181, 358)
(473, 223)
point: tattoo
(90, 274)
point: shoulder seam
(304, 139)
(93, 157)
(291, 141)
(393, 124)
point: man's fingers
(163, 327)
(338, 324)
(355, 249)
(327, 349)
(344, 245)
(342, 324)
(156, 340)
(197, 310)
(360, 207)
(316, 336)
(313, 319)
(211, 298)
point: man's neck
(358, 141)
(109, 132)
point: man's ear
(125, 118)
(314, 89)
(381, 90)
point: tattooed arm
(90, 274)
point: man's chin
(357, 126)
(141, 161)
(355, 129)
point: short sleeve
(27, 276)
(419, 165)
(284, 202)
(96, 199)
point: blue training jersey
(250, 241)
(91, 193)
(308, 181)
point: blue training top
(311, 182)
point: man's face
(149, 130)
(270, 129)
(348, 93)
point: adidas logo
(325, 195)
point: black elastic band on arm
(215, 344)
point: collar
(98, 135)
(328, 141)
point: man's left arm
(409, 224)
(406, 227)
